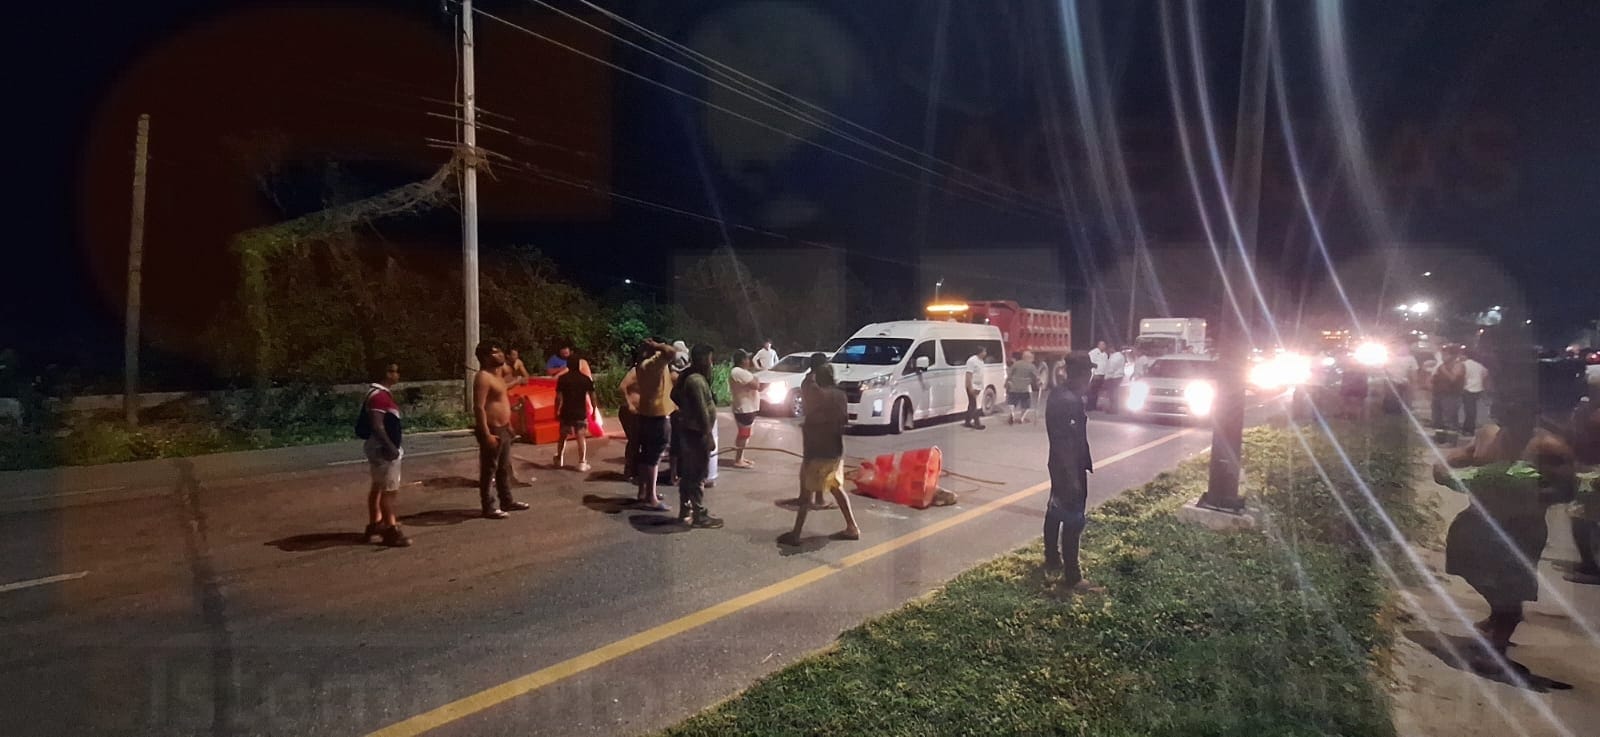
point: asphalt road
(230, 594)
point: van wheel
(902, 417)
(988, 401)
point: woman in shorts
(746, 392)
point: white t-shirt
(974, 370)
(1098, 358)
(1401, 368)
(746, 391)
(765, 359)
(1476, 373)
(1116, 365)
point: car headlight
(1138, 393)
(876, 381)
(1372, 355)
(775, 393)
(1200, 395)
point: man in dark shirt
(822, 431)
(1069, 464)
(697, 415)
(574, 396)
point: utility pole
(130, 336)
(1227, 433)
(469, 198)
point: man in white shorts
(379, 423)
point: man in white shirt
(974, 379)
(1402, 367)
(1477, 381)
(1097, 356)
(766, 358)
(746, 404)
(1116, 368)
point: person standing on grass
(746, 391)
(491, 412)
(1021, 382)
(697, 410)
(1069, 464)
(574, 397)
(1584, 512)
(1097, 357)
(766, 358)
(974, 382)
(653, 382)
(822, 467)
(1448, 383)
(1474, 382)
(380, 424)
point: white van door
(953, 384)
(918, 385)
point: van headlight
(876, 381)
(775, 393)
(1138, 392)
(1199, 395)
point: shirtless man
(491, 412)
(519, 370)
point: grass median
(1279, 631)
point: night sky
(1479, 120)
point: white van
(901, 373)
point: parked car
(780, 385)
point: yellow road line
(522, 685)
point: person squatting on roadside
(1069, 464)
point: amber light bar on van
(947, 308)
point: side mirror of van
(923, 364)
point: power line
(530, 172)
(749, 92)
(722, 109)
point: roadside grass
(220, 424)
(1279, 632)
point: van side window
(956, 352)
(925, 348)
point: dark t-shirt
(574, 388)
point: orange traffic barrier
(912, 481)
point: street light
(1420, 308)
(627, 281)
(1427, 273)
(936, 287)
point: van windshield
(874, 351)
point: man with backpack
(379, 425)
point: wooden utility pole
(130, 338)
(469, 196)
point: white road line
(42, 581)
(354, 461)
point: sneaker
(394, 538)
(556, 462)
(584, 467)
(495, 514)
(706, 522)
(374, 529)
(516, 506)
